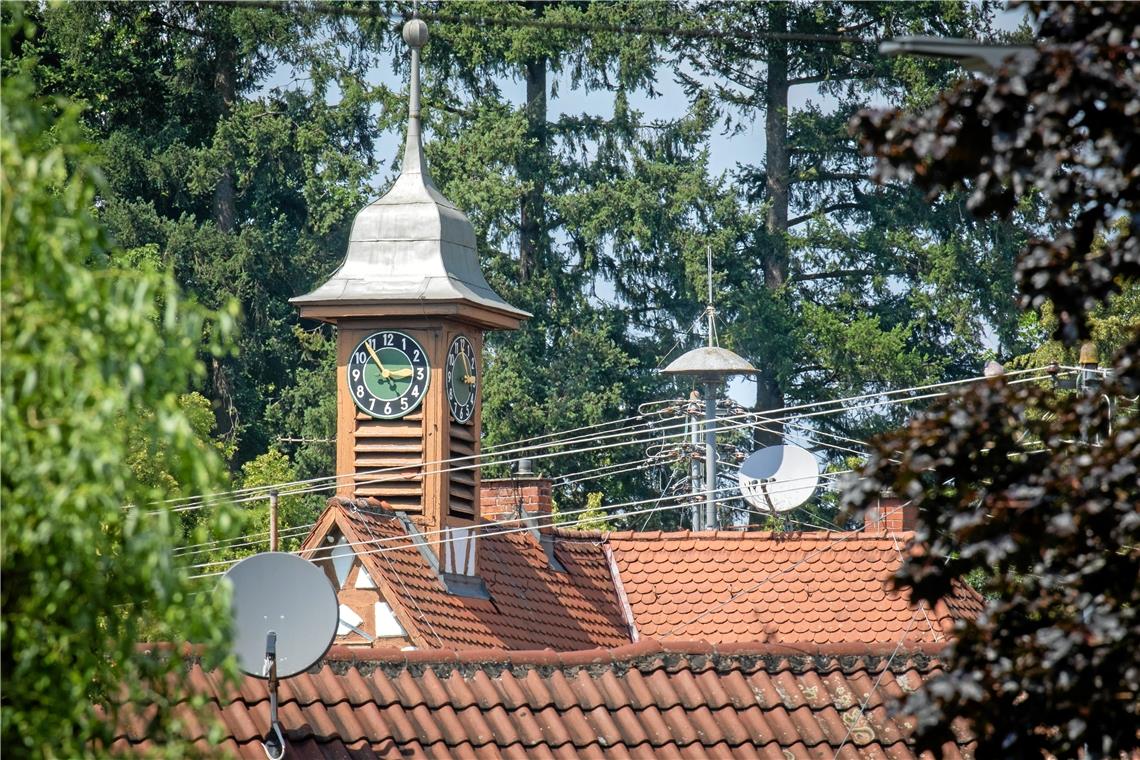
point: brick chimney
(500, 498)
(891, 515)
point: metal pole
(710, 455)
(272, 521)
(694, 465)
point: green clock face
(388, 374)
(462, 379)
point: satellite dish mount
(285, 616)
(274, 743)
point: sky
(727, 150)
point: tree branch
(825, 210)
(828, 78)
(836, 274)
(832, 177)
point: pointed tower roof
(412, 251)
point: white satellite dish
(285, 616)
(778, 478)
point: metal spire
(710, 310)
(416, 35)
(411, 249)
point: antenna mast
(711, 522)
(711, 365)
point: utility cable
(681, 499)
(801, 427)
(766, 417)
(489, 450)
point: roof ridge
(737, 535)
(666, 649)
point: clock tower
(411, 306)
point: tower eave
(481, 313)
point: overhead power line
(665, 32)
(523, 524)
(655, 431)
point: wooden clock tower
(411, 306)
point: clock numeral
(399, 379)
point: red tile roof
(816, 587)
(722, 587)
(531, 607)
(688, 699)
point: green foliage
(239, 142)
(306, 409)
(1029, 493)
(578, 361)
(96, 361)
(294, 513)
(835, 286)
(244, 190)
(593, 518)
(1111, 325)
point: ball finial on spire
(415, 33)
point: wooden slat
(396, 476)
(466, 477)
(386, 445)
(377, 429)
(387, 490)
(372, 461)
(411, 504)
(462, 432)
(464, 492)
(416, 416)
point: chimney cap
(1089, 354)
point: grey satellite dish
(281, 594)
(778, 478)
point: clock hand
(468, 378)
(383, 372)
(401, 373)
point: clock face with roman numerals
(388, 374)
(462, 379)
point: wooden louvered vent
(462, 478)
(395, 447)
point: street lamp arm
(972, 54)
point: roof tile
(817, 588)
(531, 600)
